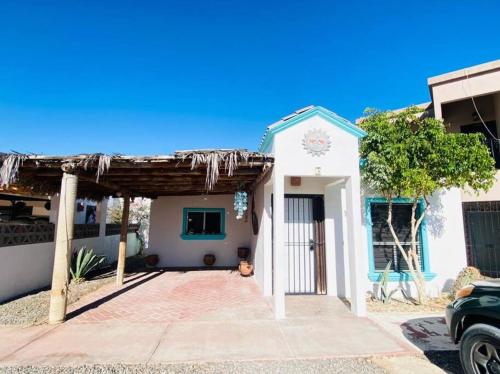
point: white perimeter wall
(261, 242)
(166, 228)
(26, 268)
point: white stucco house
(318, 231)
(311, 227)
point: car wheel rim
(485, 358)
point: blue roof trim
(324, 113)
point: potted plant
(246, 268)
(152, 260)
(209, 259)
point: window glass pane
(212, 223)
(195, 223)
(401, 215)
(384, 247)
(381, 256)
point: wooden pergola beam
(119, 164)
(145, 176)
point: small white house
(311, 227)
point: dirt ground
(33, 309)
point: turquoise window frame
(374, 275)
(221, 236)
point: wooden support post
(62, 255)
(122, 249)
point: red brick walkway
(172, 296)
(195, 316)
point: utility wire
(476, 109)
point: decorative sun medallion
(316, 142)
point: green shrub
(83, 262)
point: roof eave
(319, 111)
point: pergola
(98, 176)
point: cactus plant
(468, 275)
(84, 261)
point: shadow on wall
(435, 217)
(403, 284)
(408, 289)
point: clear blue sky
(149, 77)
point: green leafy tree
(408, 154)
(139, 214)
(115, 210)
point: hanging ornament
(240, 204)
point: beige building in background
(468, 100)
(465, 99)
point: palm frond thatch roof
(183, 173)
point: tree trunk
(122, 249)
(411, 258)
(419, 280)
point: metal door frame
(317, 244)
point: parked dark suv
(474, 320)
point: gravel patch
(437, 304)
(33, 309)
(354, 365)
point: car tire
(480, 349)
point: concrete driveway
(163, 317)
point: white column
(62, 255)
(267, 227)
(357, 270)
(336, 255)
(102, 209)
(342, 230)
(438, 111)
(279, 244)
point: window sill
(203, 236)
(399, 277)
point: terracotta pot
(243, 252)
(152, 260)
(209, 259)
(246, 268)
